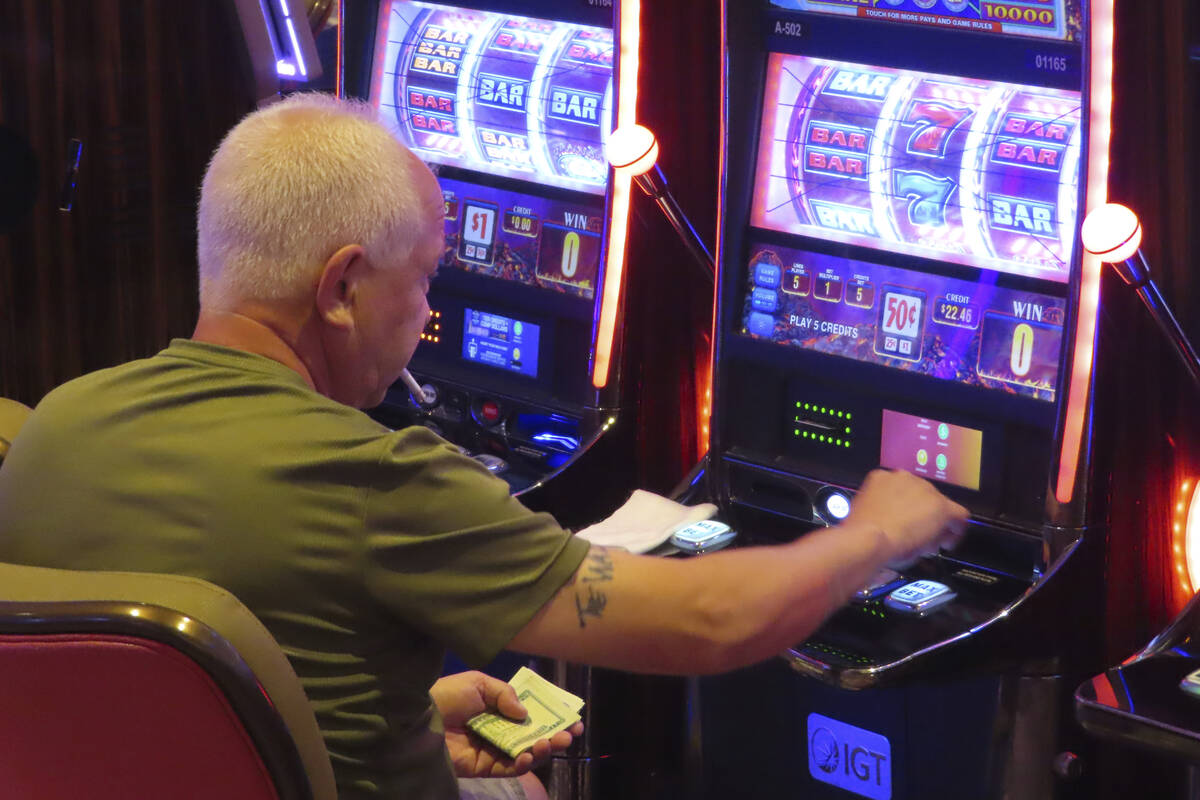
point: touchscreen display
(501, 342)
(499, 93)
(934, 450)
(976, 333)
(961, 170)
(1047, 19)
(524, 238)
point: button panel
(521, 441)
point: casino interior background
(149, 87)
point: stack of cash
(550, 708)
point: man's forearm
(769, 598)
(730, 609)
(706, 614)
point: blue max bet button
(761, 325)
(767, 275)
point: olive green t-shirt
(365, 551)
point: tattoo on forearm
(593, 606)
(598, 567)
(589, 600)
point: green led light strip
(824, 416)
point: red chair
(125, 685)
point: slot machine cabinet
(511, 103)
(901, 285)
(1148, 705)
(279, 39)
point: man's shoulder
(87, 388)
(204, 387)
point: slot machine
(901, 285)
(511, 102)
(279, 40)
(1150, 703)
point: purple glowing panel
(1045, 19)
(973, 333)
(498, 93)
(537, 241)
(967, 171)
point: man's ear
(337, 285)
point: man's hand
(465, 694)
(915, 517)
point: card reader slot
(770, 492)
(815, 425)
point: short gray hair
(290, 185)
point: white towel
(644, 522)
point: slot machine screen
(935, 450)
(513, 112)
(975, 172)
(904, 169)
(549, 243)
(501, 342)
(498, 93)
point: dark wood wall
(149, 87)
(669, 308)
(1155, 163)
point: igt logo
(850, 758)
(824, 750)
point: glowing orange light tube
(1186, 539)
(622, 184)
(1099, 137)
(706, 390)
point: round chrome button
(837, 505)
(431, 395)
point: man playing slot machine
(240, 456)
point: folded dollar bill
(550, 708)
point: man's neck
(260, 334)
